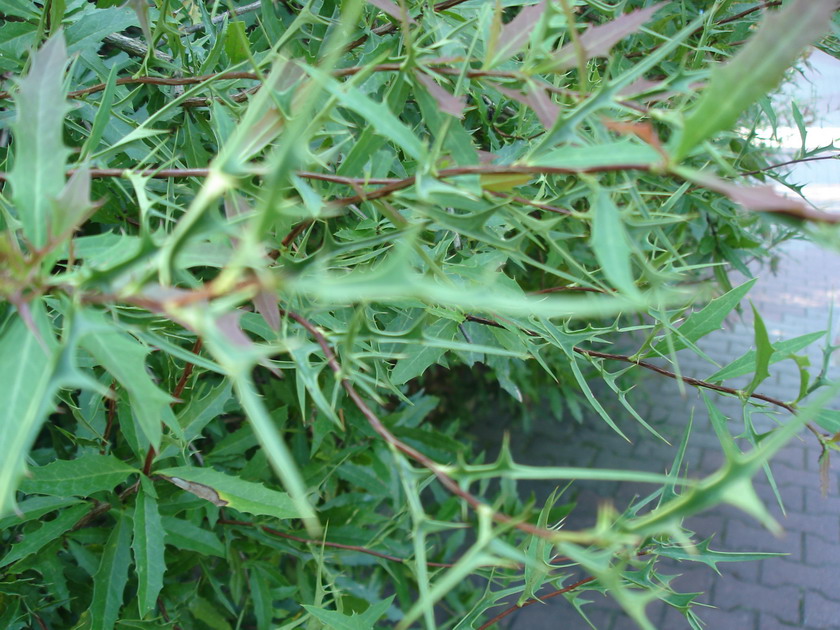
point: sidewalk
(799, 590)
(795, 591)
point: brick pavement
(799, 590)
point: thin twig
(534, 600)
(788, 163)
(738, 16)
(326, 543)
(134, 46)
(380, 429)
(247, 8)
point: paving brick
(816, 503)
(826, 526)
(791, 572)
(821, 612)
(719, 619)
(769, 622)
(743, 536)
(783, 602)
(818, 552)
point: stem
(534, 600)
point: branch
(534, 600)
(738, 16)
(788, 163)
(380, 429)
(326, 543)
(247, 8)
(688, 380)
(134, 46)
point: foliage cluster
(236, 243)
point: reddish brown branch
(688, 380)
(788, 163)
(380, 429)
(534, 600)
(746, 12)
(176, 394)
(325, 543)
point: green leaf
(710, 557)
(624, 152)
(111, 577)
(610, 243)
(781, 350)
(82, 477)
(706, 320)
(378, 115)
(125, 358)
(236, 42)
(764, 59)
(763, 352)
(363, 621)
(148, 547)
(34, 541)
(227, 490)
(26, 391)
(421, 356)
(37, 176)
(182, 534)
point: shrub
(242, 251)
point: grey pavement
(798, 590)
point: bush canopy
(260, 263)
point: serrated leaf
(764, 59)
(221, 489)
(27, 387)
(182, 534)
(148, 545)
(111, 577)
(624, 152)
(448, 103)
(78, 477)
(781, 350)
(125, 358)
(378, 115)
(421, 356)
(515, 34)
(597, 41)
(392, 9)
(362, 621)
(711, 557)
(610, 243)
(37, 176)
(708, 319)
(49, 531)
(763, 352)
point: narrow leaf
(227, 490)
(78, 477)
(515, 34)
(763, 352)
(37, 176)
(597, 41)
(449, 104)
(36, 540)
(26, 391)
(610, 243)
(708, 319)
(781, 350)
(392, 9)
(148, 548)
(110, 580)
(764, 59)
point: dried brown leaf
(449, 104)
(597, 41)
(515, 34)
